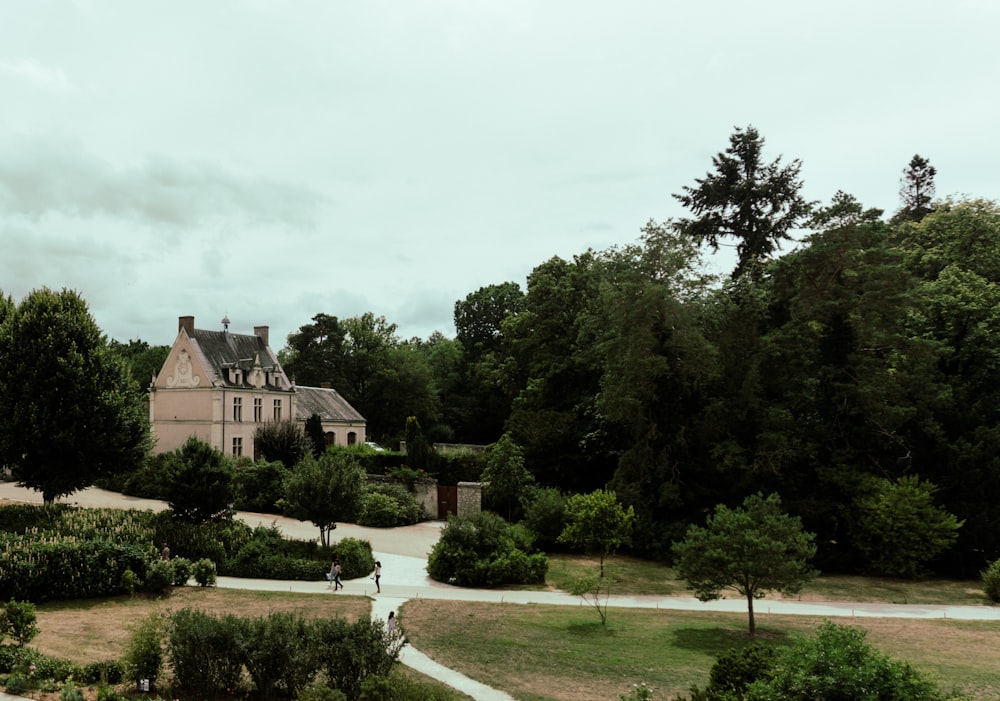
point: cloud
(35, 74)
(45, 178)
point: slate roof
(222, 350)
(326, 402)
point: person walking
(378, 576)
(337, 584)
(390, 623)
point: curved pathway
(403, 553)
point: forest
(856, 374)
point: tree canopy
(746, 199)
(326, 490)
(71, 412)
(752, 550)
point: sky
(268, 161)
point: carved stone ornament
(183, 373)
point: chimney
(185, 323)
(324, 385)
(262, 332)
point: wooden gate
(447, 501)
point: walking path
(403, 553)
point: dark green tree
(314, 431)
(144, 361)
(326, 490)
(314, 354)
(916, 190)
(752, 549)
(506, 480)
(554, 373)
(71, 413)
(899, 529)
(283, 441)
(479, 318)
(756, 203)
(199, 482)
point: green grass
(564, 653)
(632, 576)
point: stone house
(221, 387)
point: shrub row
(67, 553)
(279, 655)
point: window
(237, 408)
(352, 438)
(258, 409)
(277, 410)
(238, 446)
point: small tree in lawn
(326, 490)
(596, 523)
(753, 550)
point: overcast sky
(272, 160)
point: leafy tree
(314, 432)
(756, 203)
(840, 664)
(597, 522)
(753, 549)
(554, 374)
(144, 361)
(899, 529)
(545, 515)
(419, 452)
(314, 354)
(383, 378)
(326, 490)
(916, 190)
(71, 413)
(505, 477)
(283, 441)
(199, 482)
(479, 318)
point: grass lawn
(553, 652)
(638, 577)
(95, 630)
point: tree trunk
(753, 624)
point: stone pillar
(470, 498)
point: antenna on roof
(225, 323)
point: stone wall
(470, 498)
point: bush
(353, 652)
(159, 576)
(484, 550)
(19, 621)
(356, 559)
(107, 672)
(182, 571)
(320, 692)
(991, 581)
(203, 572)
(279, 651)
(143, 658)
(204, 653)
(17, 685)
(260, 486)
(70, 692)
(545, 516)
(389, 506)
(839, 664)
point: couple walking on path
(335, 570)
